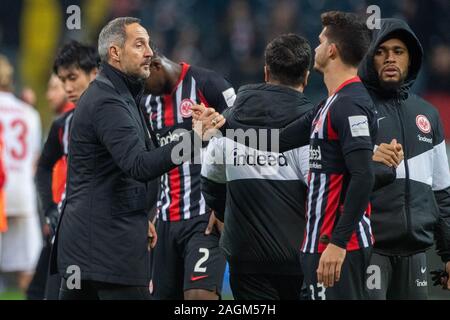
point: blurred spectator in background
(3, 220)
(28, 96)
(21, 126)
(229, 34)
(56, 96)
(438, 91)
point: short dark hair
(288, 58)
(75, 54)
(349, 33)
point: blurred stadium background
(228, 36)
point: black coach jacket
(111, 184)
(264, 211)
(410, 213)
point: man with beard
(409, 214)
(104, 233)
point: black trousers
(397, 278)
(36, 289)
(266, 286)
(351, 285)
(43, 285)
(94, 290)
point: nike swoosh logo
(198, 277)
(379, 119)
(423, 269)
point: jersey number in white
(320, 294)
(198, 266)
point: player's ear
(332, 51)
(114, 53)
(93, 73)
(266, 73)
(305, 83)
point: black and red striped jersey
(52, 165)
(342, 124)
(180, 194)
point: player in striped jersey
(187, 263)
(338, 239)
(76, 65)
(59, 104)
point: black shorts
(185, 258)
(266, 286)
(351, 285)
(397, 277)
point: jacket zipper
(405, 150)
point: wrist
(338, 242)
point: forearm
(44, 187)
(215, 195)
(296, 134)
(442, 233)
(384, 175)
(359, 164)
(149, 165)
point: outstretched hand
(206, 121)
(389, 154)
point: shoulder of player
(31, 111)
(99, 94)
(420, 105)
(357, 97)
(205, 76)
(61, 119)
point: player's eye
(379, 52)
(399, 52)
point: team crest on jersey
(423, 123)
(186, 108)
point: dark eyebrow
(395, 47)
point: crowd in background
(229, 35)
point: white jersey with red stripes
(180, 194)
(21, 128)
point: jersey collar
(346, 83)
(184, 70)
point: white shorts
(21, 245)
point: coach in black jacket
(413, 211)
(102, 235)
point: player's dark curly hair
(75, 54)
(288, 58)
(349, 33)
